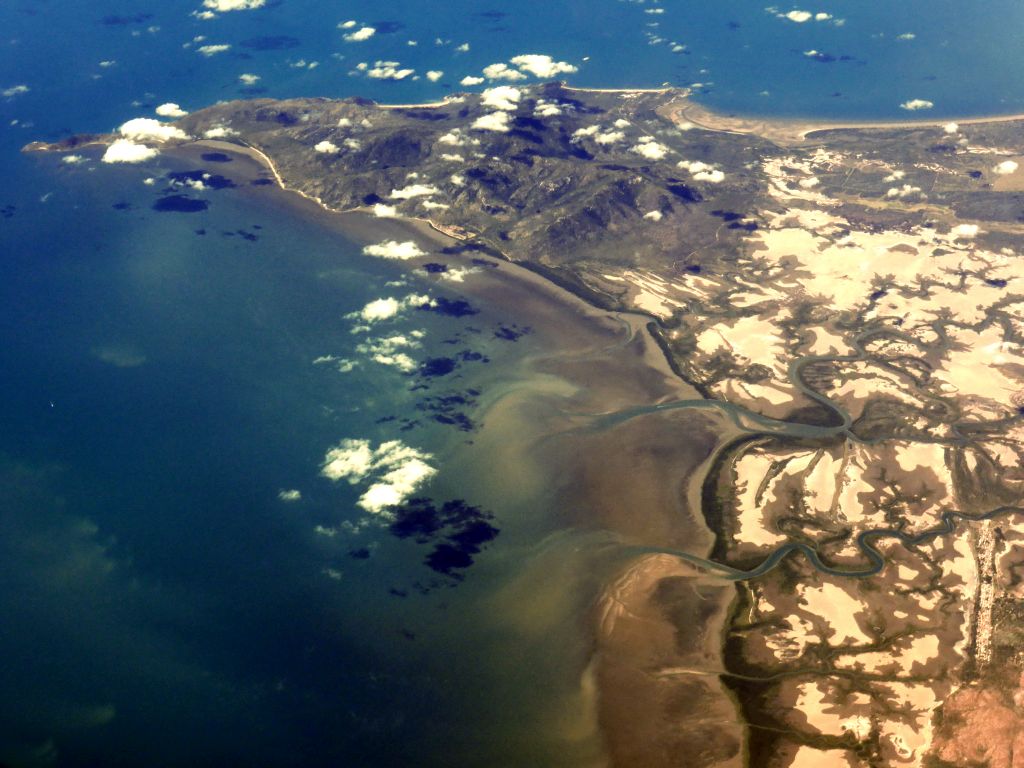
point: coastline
(666, 89)
(452, 99)
(640, 671)
(637, 481)
(791, 131)
(637, 658)
(782, 129)
(680, 109)
(262, 157)
(640, 481)
(550, 613)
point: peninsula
(851, 298)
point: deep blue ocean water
(159, 603)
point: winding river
(755, 424)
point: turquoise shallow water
(160, 603)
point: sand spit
(791, 132)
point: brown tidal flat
(656, 622)
(659, 621)
(655, 625)
(663, 703)
(813, 273)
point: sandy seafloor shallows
(162, 602)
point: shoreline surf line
(256, 153)
(683, 109)
(799, 130)
(569, 295)
(664, 89)
(701, 116)
(455, 98)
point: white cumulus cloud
(649, 148)
(387, 308)
(392, 249)
(170, 110)
(453, 137)
(547, 109)
(494, 121)
(599, 136)
(907, 190)
(388, 70)
(219, 132)
(433, 75)
(916, 104)
(714, 176)
(212, 50)
(15, 90)
(390, 351)
(393, 470)
(609, 137)
(233, 5)
(471, 80)
(384, 211)
(504, 97)
(379, 309)
(703, 171)
(349, 460)
(502, 71)
(541, 65)
(1007, 166)
(146, 128)
(127, 151)
(413, 190)
(326, 146)
(363, 33)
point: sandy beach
(778, 129)
(793, 131)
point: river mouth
(227, 350)
(555, 595)
(616, 465)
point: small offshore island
(850, 299)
